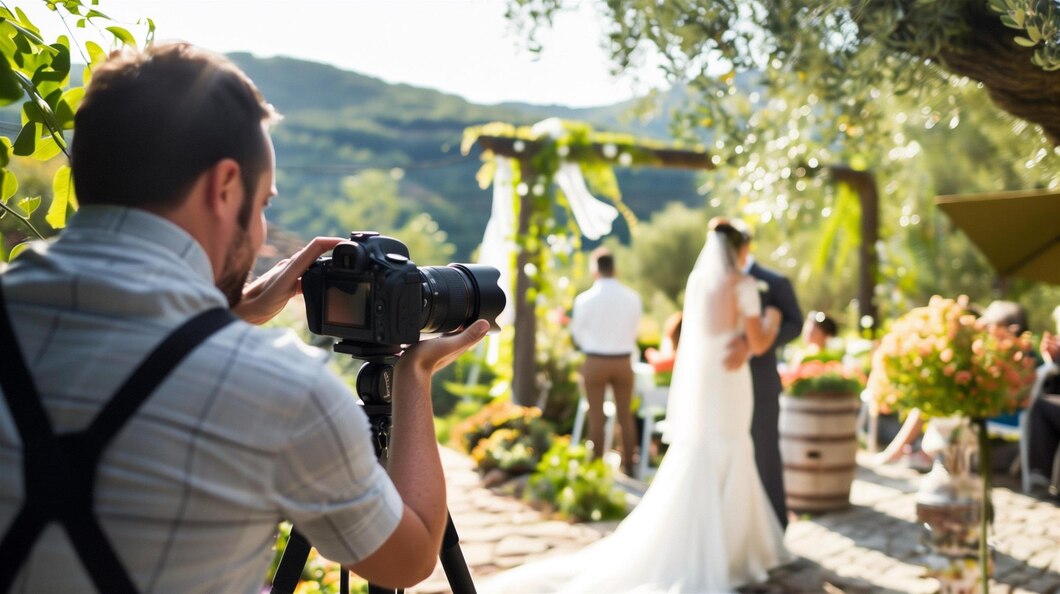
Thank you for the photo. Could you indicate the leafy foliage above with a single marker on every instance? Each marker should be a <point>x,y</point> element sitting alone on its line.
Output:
<point>40,72</point>
<point>577,487</point>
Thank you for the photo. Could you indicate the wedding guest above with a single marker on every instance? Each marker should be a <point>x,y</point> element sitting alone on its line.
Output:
<point>1044,413</point>
<point>604,326</point>
<point>818,329</point>
<point>662,359</point>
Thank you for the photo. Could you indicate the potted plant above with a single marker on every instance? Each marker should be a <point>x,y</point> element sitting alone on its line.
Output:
<point>944,361</point>
<point>818,441</point>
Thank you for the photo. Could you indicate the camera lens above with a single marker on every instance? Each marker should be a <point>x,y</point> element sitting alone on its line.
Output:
<point>457,295</point>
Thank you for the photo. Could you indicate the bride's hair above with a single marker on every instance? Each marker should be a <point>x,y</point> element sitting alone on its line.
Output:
<point>734,238</point>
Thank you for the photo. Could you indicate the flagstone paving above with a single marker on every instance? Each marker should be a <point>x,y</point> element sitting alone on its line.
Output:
<point>873,546</point>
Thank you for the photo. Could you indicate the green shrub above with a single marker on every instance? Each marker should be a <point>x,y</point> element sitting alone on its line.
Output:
<point>577,487</point>
<point>515,451</point>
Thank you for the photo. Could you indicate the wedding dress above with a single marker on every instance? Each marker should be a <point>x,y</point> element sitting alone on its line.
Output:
<point>705,524</point>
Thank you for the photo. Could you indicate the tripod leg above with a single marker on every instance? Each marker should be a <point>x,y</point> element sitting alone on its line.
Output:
<point>453,562</point>
<point>291,564</point>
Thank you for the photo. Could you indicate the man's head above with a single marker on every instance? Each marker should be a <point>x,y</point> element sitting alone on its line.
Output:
<point>737,238</point>
<point>1009,314</point>
<point>602,263</point>
<point>173,125</point>
<point>818,328</point>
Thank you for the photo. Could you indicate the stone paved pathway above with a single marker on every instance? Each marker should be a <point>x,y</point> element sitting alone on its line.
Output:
<point>870,547</point>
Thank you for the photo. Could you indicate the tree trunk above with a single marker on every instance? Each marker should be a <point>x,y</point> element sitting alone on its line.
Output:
<point>989,55</point>
<point>864,184</point>
<point>524,344</point>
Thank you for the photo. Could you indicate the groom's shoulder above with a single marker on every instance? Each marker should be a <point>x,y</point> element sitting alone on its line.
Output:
<point>766,274</point>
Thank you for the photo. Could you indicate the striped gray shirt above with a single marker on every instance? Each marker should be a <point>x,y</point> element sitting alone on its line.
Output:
<point>252,428</point>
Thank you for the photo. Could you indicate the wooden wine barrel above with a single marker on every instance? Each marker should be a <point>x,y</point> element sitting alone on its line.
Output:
<point>818,444</point>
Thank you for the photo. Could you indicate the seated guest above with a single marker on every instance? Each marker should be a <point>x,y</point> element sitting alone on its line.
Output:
<point>662,359</point>
<point>818,329</point>
<point>1044,413</point>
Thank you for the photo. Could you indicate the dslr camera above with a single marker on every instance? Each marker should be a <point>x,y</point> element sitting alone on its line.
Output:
<point>372,296</point>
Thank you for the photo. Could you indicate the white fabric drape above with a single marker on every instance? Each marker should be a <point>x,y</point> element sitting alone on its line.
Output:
<point>498,242</point>
<point>594,217</point>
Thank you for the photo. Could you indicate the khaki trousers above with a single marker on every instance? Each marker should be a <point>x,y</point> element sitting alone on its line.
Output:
<point>598,373</point>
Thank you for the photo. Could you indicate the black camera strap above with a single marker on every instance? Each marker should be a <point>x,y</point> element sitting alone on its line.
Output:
<point>59,471</point>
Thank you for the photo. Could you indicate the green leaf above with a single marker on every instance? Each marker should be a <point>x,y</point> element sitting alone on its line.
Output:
<point>47,148</point>
<point>18,249</point>
<point>1034,33</point>
<point>5,151</point>
<point>67,108</point>
<point>29,204</point>
<point>26,142</point>
<point>1024,41</point>
<point>10,88</point>
<point>27,35</point>
<point>8,185</point>
<point>63,197</point>
<point>122,35</point>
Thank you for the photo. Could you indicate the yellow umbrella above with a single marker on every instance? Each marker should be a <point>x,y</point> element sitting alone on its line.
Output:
<point>1018,232</point>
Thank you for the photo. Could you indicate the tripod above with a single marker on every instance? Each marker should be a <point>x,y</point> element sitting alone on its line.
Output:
<point>374,382</point>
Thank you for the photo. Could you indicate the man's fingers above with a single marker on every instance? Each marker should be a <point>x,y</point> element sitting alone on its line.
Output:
<point>313,250</point>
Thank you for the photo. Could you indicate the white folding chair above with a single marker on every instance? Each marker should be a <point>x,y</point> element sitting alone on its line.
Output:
<point>653,403</point>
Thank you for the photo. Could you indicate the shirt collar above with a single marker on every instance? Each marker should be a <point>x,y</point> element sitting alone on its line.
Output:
<point>749,264</point>
<point>152,231</point>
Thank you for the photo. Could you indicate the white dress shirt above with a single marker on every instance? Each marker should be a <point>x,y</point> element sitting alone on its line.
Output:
<point>605,318</point>
<point>250,429</point>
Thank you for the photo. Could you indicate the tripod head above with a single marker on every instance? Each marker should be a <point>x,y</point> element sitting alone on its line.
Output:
<point>375,385</point>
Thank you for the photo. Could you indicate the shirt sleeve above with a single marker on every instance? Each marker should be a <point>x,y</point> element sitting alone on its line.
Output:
<point>329,483</point>
<point>747,297</point>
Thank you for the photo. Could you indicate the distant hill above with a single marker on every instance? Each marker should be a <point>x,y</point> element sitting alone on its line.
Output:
<point>337,123</point>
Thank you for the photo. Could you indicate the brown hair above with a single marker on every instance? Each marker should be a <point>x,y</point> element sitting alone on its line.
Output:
<point>151,122</point>
<point>735,237</point>
<point>603,262</point>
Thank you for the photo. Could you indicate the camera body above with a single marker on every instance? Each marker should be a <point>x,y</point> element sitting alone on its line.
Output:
<point>372,296</point>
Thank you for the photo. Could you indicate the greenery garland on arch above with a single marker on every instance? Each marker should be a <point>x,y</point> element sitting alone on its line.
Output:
<point>536,158</point>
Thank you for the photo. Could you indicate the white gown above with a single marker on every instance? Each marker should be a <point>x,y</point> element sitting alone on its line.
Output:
<point>705,524</point>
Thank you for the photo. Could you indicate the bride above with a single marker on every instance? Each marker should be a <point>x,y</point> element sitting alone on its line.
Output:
<point>705,523</point>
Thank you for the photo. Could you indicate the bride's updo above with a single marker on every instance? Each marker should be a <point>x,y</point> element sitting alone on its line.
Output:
<point>735,238</point>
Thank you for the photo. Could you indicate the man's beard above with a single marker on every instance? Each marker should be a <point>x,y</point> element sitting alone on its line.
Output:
<point>239,259</point>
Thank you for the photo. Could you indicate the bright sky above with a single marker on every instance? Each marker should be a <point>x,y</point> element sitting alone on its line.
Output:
<point>465,47</point>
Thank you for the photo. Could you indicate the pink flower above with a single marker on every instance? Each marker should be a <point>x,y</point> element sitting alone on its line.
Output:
<point>963,377</point>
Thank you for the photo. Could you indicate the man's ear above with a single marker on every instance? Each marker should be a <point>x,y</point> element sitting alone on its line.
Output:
<point>224,187</point>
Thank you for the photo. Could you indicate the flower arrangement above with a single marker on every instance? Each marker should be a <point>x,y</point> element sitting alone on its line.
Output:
<point>944,361</point>
<point>823,378</point>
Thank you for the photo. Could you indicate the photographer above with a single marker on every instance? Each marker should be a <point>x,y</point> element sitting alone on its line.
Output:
<point>174,167</point>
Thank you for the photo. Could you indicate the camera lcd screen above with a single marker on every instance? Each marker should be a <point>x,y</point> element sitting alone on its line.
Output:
<point>346,303</point>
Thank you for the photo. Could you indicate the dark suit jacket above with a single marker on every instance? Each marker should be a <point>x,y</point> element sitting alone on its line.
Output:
<point>766,380</point>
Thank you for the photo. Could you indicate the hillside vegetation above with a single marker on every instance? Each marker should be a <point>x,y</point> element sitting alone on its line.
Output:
<point>339,124</point>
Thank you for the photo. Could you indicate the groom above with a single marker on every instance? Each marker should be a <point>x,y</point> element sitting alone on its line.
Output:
<point>774,290</point>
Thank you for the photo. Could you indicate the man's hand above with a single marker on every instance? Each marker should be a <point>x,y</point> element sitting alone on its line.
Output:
<point>738,353</point>
<point>270,292</point>
<point>1050,348</point>
<point>431,355</point>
